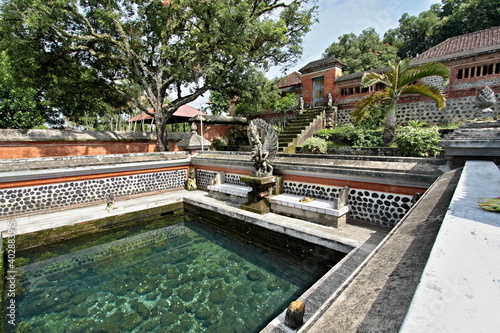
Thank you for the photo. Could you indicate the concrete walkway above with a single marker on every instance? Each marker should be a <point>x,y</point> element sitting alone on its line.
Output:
<point>460,286</point>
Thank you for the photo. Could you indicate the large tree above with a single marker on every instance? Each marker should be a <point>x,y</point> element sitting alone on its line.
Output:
<point>415,33</point>
<point>254,94</point>
<point>402,79</point>
<point>363,52</point>
<point>175,48</point>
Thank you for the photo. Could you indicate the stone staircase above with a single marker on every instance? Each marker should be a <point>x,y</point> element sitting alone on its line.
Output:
<point>475,140</point>
<point>300,129</point>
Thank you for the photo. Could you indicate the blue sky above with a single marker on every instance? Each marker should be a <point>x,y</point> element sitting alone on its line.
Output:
<point>338,17</point>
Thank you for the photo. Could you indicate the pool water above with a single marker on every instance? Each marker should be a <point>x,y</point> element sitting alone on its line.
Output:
<point>183,277</point>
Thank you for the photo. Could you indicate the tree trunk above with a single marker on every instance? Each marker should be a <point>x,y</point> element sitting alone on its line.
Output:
<point>390,125</point>
<point>161,132</point>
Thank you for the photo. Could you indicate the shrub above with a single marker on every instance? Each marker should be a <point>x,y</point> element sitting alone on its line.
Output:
<point>418,141</point>
<point>326,133</point>
<point>218,144</point>
<point>352,136</point>
<point>314,146</point>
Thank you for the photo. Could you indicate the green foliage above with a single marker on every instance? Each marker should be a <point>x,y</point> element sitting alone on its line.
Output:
<point>121,48</point>
<point>418,141</point>
<point>375,117</point>
<point>314,146</point>
<point>19,111</point>
<point>326,133</point>
<point>357,136</point>
<point>218,144</point>
<point>363,52</point>
<point>416,123</point>
<point>352,136</point>
<point>415,33</point>
<point>254,94</point>
<point>233,138</point>
<point>219,103</point>
<point>399,81</point>
<point>283,104</point>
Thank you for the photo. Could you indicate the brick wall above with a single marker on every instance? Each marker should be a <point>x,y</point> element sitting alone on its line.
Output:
<point>50,143</point>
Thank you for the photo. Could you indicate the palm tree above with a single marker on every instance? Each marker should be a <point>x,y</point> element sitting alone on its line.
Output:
<point>401,80</point>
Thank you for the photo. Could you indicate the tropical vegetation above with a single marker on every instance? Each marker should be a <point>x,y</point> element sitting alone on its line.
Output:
<point>99,55</point>
<point>402,79</point>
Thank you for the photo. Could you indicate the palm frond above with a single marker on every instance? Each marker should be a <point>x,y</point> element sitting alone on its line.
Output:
<point>362,108</point>
<point>369,79</point>
<point>426,90</point>
<point>425,70</point>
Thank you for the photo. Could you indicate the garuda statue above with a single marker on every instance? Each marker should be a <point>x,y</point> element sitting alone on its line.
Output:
<point>264,141</point>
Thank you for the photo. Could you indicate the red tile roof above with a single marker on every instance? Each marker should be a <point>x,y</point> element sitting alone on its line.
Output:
<point>185,110</point>
<point>291,80</point>
<point>463,43</point>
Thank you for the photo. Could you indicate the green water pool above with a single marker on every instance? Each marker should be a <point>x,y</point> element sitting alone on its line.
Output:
<point>185,276</point>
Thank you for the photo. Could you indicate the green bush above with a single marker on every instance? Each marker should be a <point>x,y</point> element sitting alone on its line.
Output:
<point>314,146</point>
<point>418,141</point>
<point>218,144</point>
<point>353,136</point>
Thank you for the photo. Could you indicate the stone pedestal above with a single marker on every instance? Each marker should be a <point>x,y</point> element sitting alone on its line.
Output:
<point>261,188</point>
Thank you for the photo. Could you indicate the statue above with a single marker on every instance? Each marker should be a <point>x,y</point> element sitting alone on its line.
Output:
<point>191,181</point>
<point>485,99</point>
<point>264,141</point>
<point>301,104</point>
<point>330,101</point>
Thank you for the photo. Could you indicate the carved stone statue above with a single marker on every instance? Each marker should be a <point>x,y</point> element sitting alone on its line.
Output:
<point>191,181</point>
<point>264,141</point>
<point>330,100</point>
<point>301,104</point>
<point>485,99</point>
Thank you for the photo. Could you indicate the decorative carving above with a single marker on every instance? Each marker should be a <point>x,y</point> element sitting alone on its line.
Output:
<point>330,101</point>
<point>191,181</point>
<point>485,99</point>
<point>264,141</point>
<point>301,104</point>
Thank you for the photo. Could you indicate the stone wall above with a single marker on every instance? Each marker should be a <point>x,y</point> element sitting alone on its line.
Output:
<point>35,143</point>
<point>381,188</point>
<point>457,109</point>
<point>376,194</point>
<point>35,191</point>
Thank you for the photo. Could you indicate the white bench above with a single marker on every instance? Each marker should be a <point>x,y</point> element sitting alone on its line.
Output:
<point>329,213</point>
<point>224,191</point>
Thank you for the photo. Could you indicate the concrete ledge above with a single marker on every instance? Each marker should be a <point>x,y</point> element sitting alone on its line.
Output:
<point>237,190</point>
<point>317,211</point>
<point>459,290</point>
<point>317,205</point>
<point>228,192</point>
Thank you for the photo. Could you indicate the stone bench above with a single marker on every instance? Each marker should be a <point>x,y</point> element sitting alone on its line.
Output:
<point>325,212</point>
<point>224,191</point>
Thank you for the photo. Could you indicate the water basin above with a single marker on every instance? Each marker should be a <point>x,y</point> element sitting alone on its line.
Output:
<point>174,274</point>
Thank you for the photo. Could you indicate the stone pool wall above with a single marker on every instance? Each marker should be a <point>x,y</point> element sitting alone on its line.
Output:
<point>34,191</point>
<point>382,190</point>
